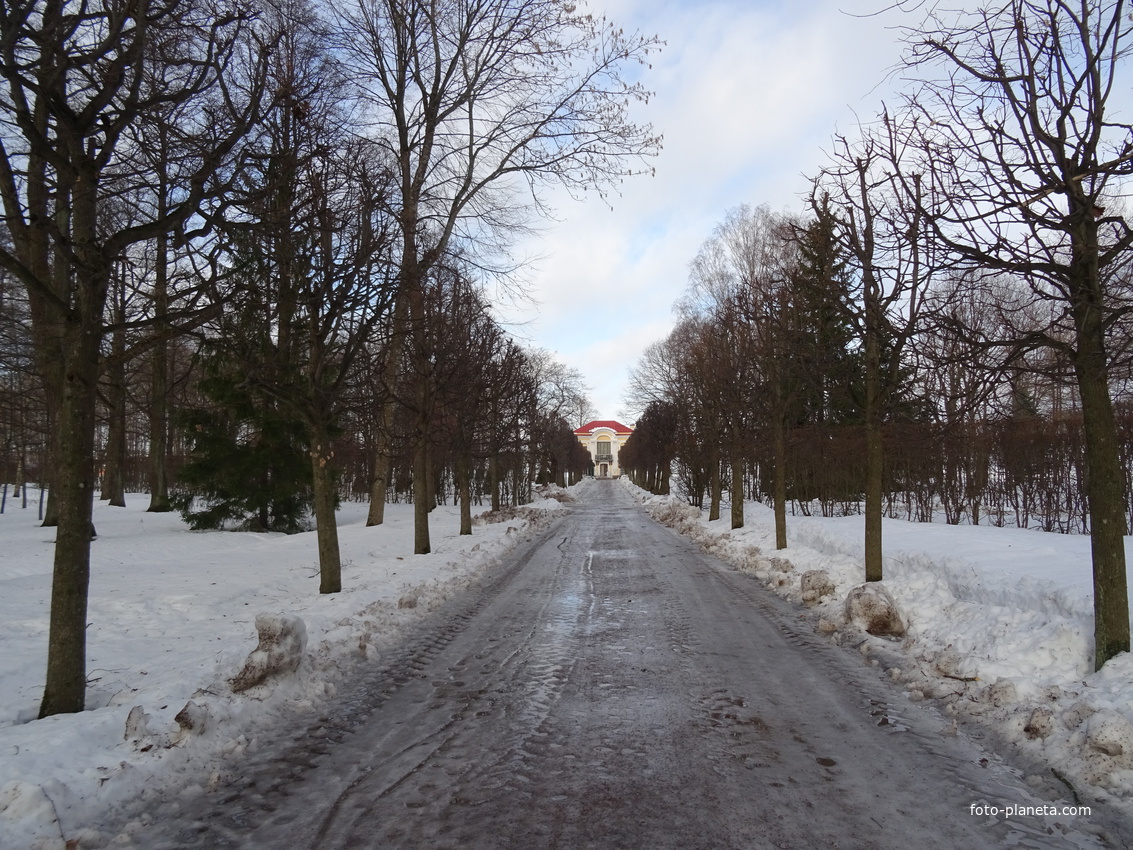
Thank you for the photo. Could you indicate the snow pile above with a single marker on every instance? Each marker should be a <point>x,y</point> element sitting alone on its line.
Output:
<point>815,584</point>
<point>998,627</point>
<point>174,615</point>
<point>870,608</point>
<point>283,638</point>
<point>553,491</point>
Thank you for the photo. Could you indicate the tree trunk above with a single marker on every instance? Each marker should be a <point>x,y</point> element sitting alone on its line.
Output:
<point>51,474</point>
<point>436,485</point>
<point>494,479</point>
<point>383,436</point>
<point>979,462</point>
<point>528,482</point>
<point>1105,481</point>
<point>159,380</point>
<point>48,324</point>
<point>326,524</point>
<point>737,487</point>
<point>159,435</point>
<point>21,472</point>
<point>114,466</point>
<point>421,544</point>
<point>114,476</point>
<point>779,479</point>
<point>715,486</point>
<point>1105,496</point>
<point>379,482</point>
<point>73,496</point>
<point>422,472</point>
<point>874,482</point>
<point>413,281</point>
<point>74,483</point>
<point>464,492</point>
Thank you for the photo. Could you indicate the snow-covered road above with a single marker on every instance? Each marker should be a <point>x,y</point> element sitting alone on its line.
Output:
<point>613,687</point>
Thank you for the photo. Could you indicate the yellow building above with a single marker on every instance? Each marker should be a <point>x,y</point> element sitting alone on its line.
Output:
<point>602,438</point>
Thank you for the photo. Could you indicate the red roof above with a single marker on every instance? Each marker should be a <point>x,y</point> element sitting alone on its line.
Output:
<point>616,427</point>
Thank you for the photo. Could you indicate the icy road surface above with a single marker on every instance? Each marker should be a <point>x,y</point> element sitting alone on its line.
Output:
<point>613,687</point>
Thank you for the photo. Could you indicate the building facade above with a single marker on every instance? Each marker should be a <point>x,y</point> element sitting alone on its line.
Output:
<point>602,438</point>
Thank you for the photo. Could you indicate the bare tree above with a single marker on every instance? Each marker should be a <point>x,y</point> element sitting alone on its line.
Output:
<point>316,237</point>
<point>1022,157</point>
<point>879,220</point>
<point>508,383</point>
<point>745,272</point>
<point>653,378</point>
<point>477,103</point>
<point>965,382</point>
<point>74,94</point>
<point>560,390</point>
<point>678,373</point>
<point>469,341</point>
<point>703,388</point>
<point>23,417</point>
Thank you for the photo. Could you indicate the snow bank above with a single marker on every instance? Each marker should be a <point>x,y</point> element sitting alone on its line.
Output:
<point>999,626</point>
<point>174,615</point>
<point>283,639</point>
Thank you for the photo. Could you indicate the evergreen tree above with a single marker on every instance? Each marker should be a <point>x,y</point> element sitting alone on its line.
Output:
<point>827,353</point>
<point>250,466</point>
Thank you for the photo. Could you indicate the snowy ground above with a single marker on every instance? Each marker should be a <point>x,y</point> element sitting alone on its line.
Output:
<point>1000,628</point>
<point>172,617</point>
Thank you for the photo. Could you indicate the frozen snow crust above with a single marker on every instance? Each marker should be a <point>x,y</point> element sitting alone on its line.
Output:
<point>999,628</point>
<point>173,629</point>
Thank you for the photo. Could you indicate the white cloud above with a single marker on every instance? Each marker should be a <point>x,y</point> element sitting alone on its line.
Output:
<point>607,361</point>
<point>747,96</point>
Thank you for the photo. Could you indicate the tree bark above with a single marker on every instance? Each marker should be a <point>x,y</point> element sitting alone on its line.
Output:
<point>387,413</point>
<point>422,490</point>
<point>114,463</point>
<point>326,524</point>
<point>494,480</point>
<point>159,432</point>
<point>65,687</point>
<point>114,475</point>
<point>421,545</point>
<point>464,493</point>
<point>48,327</point>
<point>737,487</point>
<point>159,375</point>
<point>779,479</point>
<point>383,464</point>
<point>1105,481</point>
<point>715,486</point>
<point>874,480</point>
<point>21,489</point>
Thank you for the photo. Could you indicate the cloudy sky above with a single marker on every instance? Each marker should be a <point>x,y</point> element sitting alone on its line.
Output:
<point>747,94</point>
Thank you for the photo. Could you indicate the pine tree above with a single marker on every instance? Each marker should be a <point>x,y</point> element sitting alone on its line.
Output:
<point>250,466</point>
<point>827,352</point>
